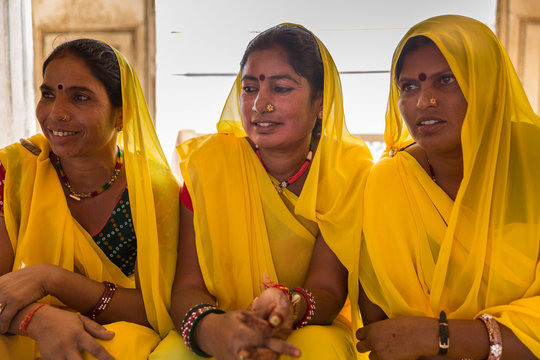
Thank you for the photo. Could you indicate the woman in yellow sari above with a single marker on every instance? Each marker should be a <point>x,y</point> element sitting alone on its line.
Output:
<point>68,249</point>
<point>268,198</point>
<point>452,236</point>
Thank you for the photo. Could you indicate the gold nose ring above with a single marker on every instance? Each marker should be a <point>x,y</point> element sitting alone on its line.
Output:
<point>433,101</point>
<point>270,107</point>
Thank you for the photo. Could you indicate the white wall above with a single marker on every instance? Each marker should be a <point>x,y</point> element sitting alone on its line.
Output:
<point>16,67</point>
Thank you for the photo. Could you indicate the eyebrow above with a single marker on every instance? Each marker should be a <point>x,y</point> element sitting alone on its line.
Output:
<point>72,88</point>
<point>273,77</point>
<point>445,70</point>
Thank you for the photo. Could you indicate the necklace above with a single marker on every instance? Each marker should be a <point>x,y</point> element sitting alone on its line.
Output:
<point>280,186</point>
<point>78,196</point>
<point>431,172</point>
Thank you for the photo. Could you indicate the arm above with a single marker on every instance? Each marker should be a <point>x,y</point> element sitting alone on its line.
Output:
<point>370,312</point>
<point>414,337</point>
<point>327,281</point>
<point>222,335</point>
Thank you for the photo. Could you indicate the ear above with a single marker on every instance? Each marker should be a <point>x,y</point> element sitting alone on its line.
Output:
<point>118,119</point>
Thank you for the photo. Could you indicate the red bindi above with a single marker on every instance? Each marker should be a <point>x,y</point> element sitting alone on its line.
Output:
<point>422,77</point>
<point>262,77</point>
<point>60,86</point>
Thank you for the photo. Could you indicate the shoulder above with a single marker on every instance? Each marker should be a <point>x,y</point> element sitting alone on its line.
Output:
<point>213,144</point>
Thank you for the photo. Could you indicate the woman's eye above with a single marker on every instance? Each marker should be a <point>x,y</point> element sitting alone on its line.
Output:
<point>46,95</point>
<point>282,90</point>
<point>80,97</point>
<point>447,79</point>
<point>249,89</point>
<point>407,87</point>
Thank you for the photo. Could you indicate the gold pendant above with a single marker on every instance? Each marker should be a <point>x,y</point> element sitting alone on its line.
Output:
<point>74,197</point>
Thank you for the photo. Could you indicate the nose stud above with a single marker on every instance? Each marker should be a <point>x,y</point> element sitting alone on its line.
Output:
<point>433,101</point>
<point>270,107</point>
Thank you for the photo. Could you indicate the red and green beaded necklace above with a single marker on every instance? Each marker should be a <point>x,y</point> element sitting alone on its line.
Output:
<point>79,196</point>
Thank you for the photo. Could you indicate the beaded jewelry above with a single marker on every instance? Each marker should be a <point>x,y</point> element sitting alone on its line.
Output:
<point>495,338</point>
<point>280,186</point>
<point>78,196</point>
<point>192,318</point>
<point>108,293</point>
<point>310,307</point>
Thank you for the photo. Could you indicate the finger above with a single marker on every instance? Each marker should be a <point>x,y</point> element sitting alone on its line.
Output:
<point>90,344</point>
<point>263,354</point>
<point>361,333</point>
<point>6,316</point>
<point>96,329</point>
<point>363,346</point>
<point>255,323</point>
<point>282,347</point>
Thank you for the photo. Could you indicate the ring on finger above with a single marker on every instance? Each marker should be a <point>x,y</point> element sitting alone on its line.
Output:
<point>243,354</point>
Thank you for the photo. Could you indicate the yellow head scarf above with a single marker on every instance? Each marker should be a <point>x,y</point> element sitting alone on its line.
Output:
<point>153,194</point>
<point>488,258</point>
<point>332,193</point>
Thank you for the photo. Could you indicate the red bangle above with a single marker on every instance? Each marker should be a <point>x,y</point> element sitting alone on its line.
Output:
<point>102,303</point>
<point>310,307</point>
<point>26,321</point>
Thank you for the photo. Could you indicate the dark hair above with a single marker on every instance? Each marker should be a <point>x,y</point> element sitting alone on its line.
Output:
<point>100,59</point>
<point>301,48</point>
<point>412,44</point>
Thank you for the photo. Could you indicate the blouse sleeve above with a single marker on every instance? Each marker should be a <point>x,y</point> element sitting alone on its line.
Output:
<point>185,198</point>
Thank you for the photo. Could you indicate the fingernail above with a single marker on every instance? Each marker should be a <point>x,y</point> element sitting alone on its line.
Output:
<point>296,353</point>
<point>274,320</point>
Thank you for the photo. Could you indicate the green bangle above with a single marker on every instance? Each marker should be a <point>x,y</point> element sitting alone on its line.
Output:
<point>196,349</point>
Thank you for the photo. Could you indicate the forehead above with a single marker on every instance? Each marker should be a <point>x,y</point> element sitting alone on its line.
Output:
<point>426,59</point>
<point>70,70</point>
<point>268,61</point>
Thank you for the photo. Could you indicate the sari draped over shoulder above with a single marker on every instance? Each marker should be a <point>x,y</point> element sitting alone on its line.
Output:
<point>42,230</point>
<point>245,230</point>
<point>423,252</point>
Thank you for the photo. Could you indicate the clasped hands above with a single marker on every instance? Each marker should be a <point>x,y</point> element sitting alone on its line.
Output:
<point>259,333</point>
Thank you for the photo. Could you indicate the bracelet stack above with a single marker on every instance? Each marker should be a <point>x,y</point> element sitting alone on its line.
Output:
<point>192,318</point>
<point>310,307</point>
<point>444,335</point>
<point>26,321</point>
<point>102,303</point>
<point>495,338</point>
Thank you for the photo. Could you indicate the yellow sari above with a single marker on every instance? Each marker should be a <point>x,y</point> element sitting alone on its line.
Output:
<point>34,205</point>
<point>245,230</point>
<point>423,252</point>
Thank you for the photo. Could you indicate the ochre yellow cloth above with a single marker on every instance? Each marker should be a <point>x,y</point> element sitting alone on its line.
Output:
<point>246,230</point>
<point>42,230</point>
<point>423,252</point>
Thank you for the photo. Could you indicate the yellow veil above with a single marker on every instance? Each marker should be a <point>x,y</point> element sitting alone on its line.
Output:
<point>332,193</point>
<point>154,198</point>
<point>489,257</point>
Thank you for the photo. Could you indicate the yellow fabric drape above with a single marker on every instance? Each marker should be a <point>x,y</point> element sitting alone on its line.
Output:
<point>424,253</point>
<point>42,230</point>
<point>244,229</point>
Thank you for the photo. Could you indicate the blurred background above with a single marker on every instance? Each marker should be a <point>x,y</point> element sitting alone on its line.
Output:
<point>187,53</point>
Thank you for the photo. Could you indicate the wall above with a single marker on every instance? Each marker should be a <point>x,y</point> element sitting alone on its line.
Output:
<point>518,27</point>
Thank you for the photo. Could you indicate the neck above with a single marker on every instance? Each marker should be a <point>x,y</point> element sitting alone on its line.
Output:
<point>87,173</point>
<point>448,170</point>
<point>283,163</point>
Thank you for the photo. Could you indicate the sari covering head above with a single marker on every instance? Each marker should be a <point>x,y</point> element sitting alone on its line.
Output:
<point>479,253</point>
<point>244,229</point>
<point>42,230</point>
